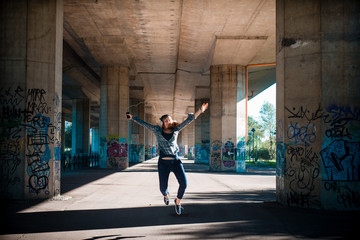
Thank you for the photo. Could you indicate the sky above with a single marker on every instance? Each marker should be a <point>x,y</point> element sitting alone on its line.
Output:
<point>255,104</point>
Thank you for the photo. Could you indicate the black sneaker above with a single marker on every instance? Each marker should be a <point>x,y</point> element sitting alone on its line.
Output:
<point>167,200</point>
<point>178,208</point>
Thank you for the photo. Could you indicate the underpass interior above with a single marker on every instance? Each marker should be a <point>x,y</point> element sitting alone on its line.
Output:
<point>90,61</point>
<point>168,49</point>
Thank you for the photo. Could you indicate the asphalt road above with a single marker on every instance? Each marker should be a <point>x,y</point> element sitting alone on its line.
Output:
<point>110,204</point>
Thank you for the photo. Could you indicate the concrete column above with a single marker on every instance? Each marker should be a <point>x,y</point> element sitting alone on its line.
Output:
<point>137,144</point>
<point>202,134</point>
<point>62,132</point>
<point>191,137</point>
<point>114,126</point>
<point>154,142</point>
<point>185,141</point>
<point>95,141</point>
<point>30,98</point>
<point>80,144</point>
<point>227,117</point>
<point>148,138</point>
<point>318,104</point>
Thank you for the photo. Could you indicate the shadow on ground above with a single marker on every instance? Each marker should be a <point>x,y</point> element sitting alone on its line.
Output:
<point>232,217</point>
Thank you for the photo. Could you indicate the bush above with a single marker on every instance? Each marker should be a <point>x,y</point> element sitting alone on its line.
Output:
<point>263,153</point>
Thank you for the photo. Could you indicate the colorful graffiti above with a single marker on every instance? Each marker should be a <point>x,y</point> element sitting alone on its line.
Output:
<point>38,153</point>
<point>341,160</point>
<point>305,134</point>
<point>224,156</point>
<point>202,153</point>
<point>114,152</point>
<point>215,155</point>
<point>331,166</point>
<point>228,151</point>
<point>117,149</point>
<point>137,152</point>
<point>28,132</point>
<point>12,141</point>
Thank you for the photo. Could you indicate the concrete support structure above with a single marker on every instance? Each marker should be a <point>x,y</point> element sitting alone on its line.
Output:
<point>202,134</point>
<point>190,135</point>
<point>227,118</point>
<point>318,104</point>
<point>148,138</point>
<point>95,141</point>
<point>80,127</point>
<point>62,132</point>
<point>30,98</point>
<point>114,126</point>
<point>137,133</point>
<point>184,142</point>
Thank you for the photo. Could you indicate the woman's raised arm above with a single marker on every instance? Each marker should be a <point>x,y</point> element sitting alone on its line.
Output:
<point>141,122</point>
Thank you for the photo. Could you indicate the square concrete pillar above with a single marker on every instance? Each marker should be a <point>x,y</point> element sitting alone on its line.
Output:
<point>137,133</point>
<point>80,144</point>
<point>114,126</point>
<point>227,118</point>
<point>190,135</point>
<point>30,98</point>
<point>148,138</point>
<point>95,141</point>
<point>202,134</point>
<point>318,104</point>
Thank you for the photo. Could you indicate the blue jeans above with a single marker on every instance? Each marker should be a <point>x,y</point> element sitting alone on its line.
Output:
<point>164,169</point>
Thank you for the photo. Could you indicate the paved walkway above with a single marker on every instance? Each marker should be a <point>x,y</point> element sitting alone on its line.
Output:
<point>109,204</point>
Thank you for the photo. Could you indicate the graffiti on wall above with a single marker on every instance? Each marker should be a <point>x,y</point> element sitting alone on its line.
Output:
<point>12,138</point>
<point>38,153</point>
<point>223,156</point>
<point>117,148</point>
<point>136,152</point>
<point>202,152</point>
<point>303,169</point>
<point>148,150</point>
<point>25,121</point>
<point>228,151</point>
<point>215,155</point>
<point>341,160</point>
<point>340,155</point>
<point>336,162</point>
<point>40,134</point>
<point>114,152</point>
<point>301,165</point>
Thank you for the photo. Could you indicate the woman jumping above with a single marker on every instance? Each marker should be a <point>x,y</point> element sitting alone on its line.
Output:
<point>169,160</point>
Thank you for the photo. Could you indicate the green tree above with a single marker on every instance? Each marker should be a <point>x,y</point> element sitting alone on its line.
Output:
<point>252,123</point>
<point>68,134</point>
<point>259,133</point>
<point>268,122</point>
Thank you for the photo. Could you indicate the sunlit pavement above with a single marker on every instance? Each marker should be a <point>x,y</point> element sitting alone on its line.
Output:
<point>110,204</point>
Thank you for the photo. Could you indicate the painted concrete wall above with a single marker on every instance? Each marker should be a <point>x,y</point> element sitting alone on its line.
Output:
<point>137,132</point>
<point>227,117</point>
<point>318,104</point>
<point>30,98</point>
<point>80,127</point>
<point>202,134</point>
<point>114,126</point>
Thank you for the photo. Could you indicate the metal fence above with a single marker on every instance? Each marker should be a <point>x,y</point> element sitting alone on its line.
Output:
<point>70,163</point>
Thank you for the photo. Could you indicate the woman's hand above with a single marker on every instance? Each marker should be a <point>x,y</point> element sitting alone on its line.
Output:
<point>204,106</point>
<point>129,116</point>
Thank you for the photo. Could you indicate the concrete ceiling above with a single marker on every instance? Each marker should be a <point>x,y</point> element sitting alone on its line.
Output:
<point>168,45</point>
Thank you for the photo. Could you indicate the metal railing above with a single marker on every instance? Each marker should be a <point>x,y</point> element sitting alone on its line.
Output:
<point>79,161</point>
